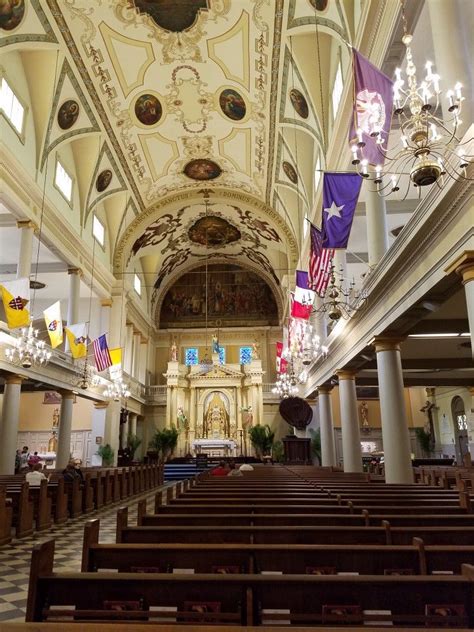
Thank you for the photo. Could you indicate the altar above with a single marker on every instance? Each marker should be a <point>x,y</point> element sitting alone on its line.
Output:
<point>226,447</point>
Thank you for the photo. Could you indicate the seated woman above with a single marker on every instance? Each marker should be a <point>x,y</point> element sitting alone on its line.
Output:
<point>221,470</point>
<point>233,471</point>
<point>35,477</point>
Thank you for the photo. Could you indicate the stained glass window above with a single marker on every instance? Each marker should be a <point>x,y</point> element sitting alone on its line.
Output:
<point>191,356</point>
<point>221,355</point>
<point>245,355</point>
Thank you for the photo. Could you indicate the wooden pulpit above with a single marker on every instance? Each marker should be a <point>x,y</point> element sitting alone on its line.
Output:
<point>297,451</point>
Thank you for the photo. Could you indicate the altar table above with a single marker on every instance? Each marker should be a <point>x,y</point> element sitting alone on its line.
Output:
<point>223,446</point>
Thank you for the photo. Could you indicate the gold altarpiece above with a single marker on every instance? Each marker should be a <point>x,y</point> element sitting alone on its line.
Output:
<point>219,402</point>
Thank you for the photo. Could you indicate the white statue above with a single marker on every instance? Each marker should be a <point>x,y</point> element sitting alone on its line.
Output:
<point>174,351</point>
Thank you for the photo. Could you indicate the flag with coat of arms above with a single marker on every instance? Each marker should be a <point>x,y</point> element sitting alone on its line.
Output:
<point>54,324</point>
<point>15,297</point>
<point>77,338</point>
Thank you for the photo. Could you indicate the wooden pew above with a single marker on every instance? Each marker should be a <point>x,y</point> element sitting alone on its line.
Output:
<point>23,510</point>
<point>6,517</point>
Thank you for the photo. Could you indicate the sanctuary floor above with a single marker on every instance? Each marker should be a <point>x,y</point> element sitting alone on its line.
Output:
<point>15,557</point>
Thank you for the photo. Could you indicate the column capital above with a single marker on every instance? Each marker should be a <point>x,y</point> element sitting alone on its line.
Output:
<point>106,302</point>
<point>27,223</point>
<point>65,394</point>
<point>346,374</point>
<point>324,390</point>
<point>77,271</point>
<point>386,343</point>
<point>99,405</point>
<point>13,378</point>
<point>463,265</point>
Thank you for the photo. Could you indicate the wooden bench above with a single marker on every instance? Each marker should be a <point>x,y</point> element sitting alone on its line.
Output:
<point>6,518</point>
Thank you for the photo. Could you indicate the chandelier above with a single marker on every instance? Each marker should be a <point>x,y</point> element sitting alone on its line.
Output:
<point>341,300</point>
<point>428,149</point>
<point>117,389</point>
<point>28,350</point>
<point>86,375</point>
<point>286,385</point>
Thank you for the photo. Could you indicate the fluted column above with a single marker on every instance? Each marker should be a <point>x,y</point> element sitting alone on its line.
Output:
<point>27,229</point>
<point>128,360</point>
<point>9,423</point>
<point>65,427</point>
<point>74,297</point>
<point>137,341</point>
<point>112,428</point>
<point>376,220</point>
<point>143,360</point>
<point>464,267</point>
<point>328,450</point>
<point>351,450</point>
<point>395,435</point>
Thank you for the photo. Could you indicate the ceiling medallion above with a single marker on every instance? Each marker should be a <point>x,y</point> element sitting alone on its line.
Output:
<point>232,104</point>
<point>213,231</point>
<point>299,103</point>
<point>11,14</point>
<point>148,109</point>
<point>319,5</point>
<point>103,180</point>
<point>68,113</point>
<point>202,169</point>
<point>290,172</point>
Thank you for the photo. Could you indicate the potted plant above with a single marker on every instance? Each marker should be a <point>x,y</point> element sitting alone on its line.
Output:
<point>106,453</point>
<point>133,442</point>
<point>316,443</point>
<point>262,439</point>
<point>164,442</point>
<point>425,441</point>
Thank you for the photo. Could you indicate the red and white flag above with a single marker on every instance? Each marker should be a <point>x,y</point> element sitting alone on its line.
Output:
<point>319,263</point>
<point>298,310</point>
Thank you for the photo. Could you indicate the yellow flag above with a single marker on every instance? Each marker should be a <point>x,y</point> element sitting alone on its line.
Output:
<point>77,338</point>
<point>54,325</point>
<point>116,355</point>
<point>115,371</point>
<point>16,296</point>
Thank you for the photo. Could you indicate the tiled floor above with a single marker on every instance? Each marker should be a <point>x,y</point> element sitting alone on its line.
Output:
<point>15,557</point>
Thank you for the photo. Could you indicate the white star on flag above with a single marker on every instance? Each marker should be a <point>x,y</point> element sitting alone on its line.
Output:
<point>333,210</point>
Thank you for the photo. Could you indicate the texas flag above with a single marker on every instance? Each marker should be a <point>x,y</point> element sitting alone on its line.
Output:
<point>340,196</point>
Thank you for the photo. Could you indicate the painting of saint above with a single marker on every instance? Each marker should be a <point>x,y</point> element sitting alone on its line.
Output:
<point>148,109</point>
<point>68,113</point>
<point>11,13</point>
<point>213,231</point>
<point>319,5</point>
<point>164,13</point>
<point>299,103</point>
<point>103,180</point>
<point>202,169</point>
<point>232,104</point>
<point>290,172</point>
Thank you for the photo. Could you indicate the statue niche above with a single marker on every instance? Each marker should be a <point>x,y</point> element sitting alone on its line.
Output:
<point>216,418</point>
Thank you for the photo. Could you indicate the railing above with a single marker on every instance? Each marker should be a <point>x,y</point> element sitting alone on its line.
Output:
<point>155,394</point>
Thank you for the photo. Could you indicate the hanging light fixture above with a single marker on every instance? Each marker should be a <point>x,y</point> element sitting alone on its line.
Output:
<point>428,149</point>
<point>28,350</point>
<point>341,299</point>
<point>117,389</point>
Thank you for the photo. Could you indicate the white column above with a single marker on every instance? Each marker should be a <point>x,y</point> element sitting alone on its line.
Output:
<point>112,428</point>
<point>192,410</point>
<point>9,423</point>
<point>452,55</point>
<point>168,406</point>
<point>143,360</point>
<point>97,431</point>
<point>464,267</point>
<point>395,435</point>
<point>117,320</point>
<point>137,343</point>
<point>376,219</point>
<point>74,296</point>
<point>124,428</point>
<point>351,449</point>
<point>328,450</point>
<point>128,360</point>
<point>105,319</point>
<point>27,229</point>
<point>132,422</point>
<point>65,427</point>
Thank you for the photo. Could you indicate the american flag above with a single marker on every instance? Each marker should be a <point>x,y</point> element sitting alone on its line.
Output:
<point>319,263</point>
<point>101,353</point>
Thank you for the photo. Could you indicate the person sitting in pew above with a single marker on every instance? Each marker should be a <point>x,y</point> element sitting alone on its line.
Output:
<point>233,471</point>
<point>221,470</point>
<point>246,467</point>
<point>35,477</point>
<point>73,472</point>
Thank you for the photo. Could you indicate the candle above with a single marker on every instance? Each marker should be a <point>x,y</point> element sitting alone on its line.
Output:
<point>378,171</point>
<point>394,182</point>
<point>435,80</point>
<point>404,141</point>
<point>364,167</point>
<point>434,132</point>
<point>359,135</point>
<point>458,88</point>
<point>449,95</point>
<point>355,159</point>
<point>398,74</point>
<point>428,66</point>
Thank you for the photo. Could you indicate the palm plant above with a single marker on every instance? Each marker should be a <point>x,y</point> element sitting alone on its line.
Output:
<point>262,439</point>
<point>106,453</point>
<point>425,441</point>
<point>133,442</point>
<point>316,443</point>
<point>164,442</point>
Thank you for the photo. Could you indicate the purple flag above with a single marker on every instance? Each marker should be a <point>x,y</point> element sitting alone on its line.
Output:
<point>373,104</point>
<point>340,195</point>
<point>302,279</point>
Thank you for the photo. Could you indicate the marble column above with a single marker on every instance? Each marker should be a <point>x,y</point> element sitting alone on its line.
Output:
<point>351,449</point>
<point>132,422</point>
<point>168,406</point>
<point>192,414</point>
<point>376,219</point>
<point>451,55</point>
<point>117,320</point>
<point>431,397</point>
<point>470,423</point>
<point>97,431</point>
<point>27,229</point>
<point>128,352</point>
<point>112,428</point>
<point>328,449</point>
<point>124,430</point>
<point>74,297</point>
<point>65,427</point>
<point>395,435</point>
<point>9,423</point>
<point>137,342</point>
<point>143,356</point>
<point>464,267</point>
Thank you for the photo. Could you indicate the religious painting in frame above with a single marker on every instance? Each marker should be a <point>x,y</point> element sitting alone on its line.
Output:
<point>202,169</point>
<point>103,180</point>
<point>148,109</point>
<point>11,13</point>
<point>164,13</point>
<point>299,103</point>
<point>232,104</point>
<point>68,114</point>
<point>290,172</point>
<point>54,398</point>
<point>213,231</point>
<point>367,392</point>
<point>319,5</point>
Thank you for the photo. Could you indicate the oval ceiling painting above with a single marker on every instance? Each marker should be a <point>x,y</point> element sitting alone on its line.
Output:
<point>213,231</point>
<point>232,104</point>
<point>165,14</point>
<point>68,113</point>
<point>202,169</point>
<point>290,172</point>
<point>148,109</point>
<point>103,180</point>
<point>11,13</point>
<point>299,103</point>
<point>319,5</point>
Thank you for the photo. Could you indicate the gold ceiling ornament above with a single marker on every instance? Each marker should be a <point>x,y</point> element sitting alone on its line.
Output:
<point>429,150</point>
